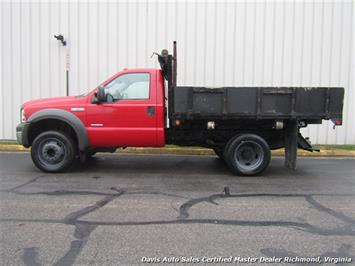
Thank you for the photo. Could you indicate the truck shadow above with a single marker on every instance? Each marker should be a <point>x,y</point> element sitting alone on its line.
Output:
<point>147,163</point>
<point>174,165</point>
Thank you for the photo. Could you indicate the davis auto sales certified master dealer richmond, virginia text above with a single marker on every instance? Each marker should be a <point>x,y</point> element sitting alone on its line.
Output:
<point>238,259</point>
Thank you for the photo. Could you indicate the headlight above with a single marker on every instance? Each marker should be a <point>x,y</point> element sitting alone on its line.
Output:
<point>22,116</point>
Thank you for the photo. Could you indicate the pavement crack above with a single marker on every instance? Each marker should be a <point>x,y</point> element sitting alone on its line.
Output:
<point>184,208</point>
<point>305,227</point>
<point>74,216</point>
<point>334,213</point>
<point>65,193</point>
<point>156,193</point>
<point>81,233</point>
<point>22,185</point>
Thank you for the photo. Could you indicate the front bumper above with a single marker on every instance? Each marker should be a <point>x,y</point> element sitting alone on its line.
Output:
<point>22,134</point>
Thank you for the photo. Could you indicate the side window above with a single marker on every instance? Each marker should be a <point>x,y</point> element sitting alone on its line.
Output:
<point>130,86</point>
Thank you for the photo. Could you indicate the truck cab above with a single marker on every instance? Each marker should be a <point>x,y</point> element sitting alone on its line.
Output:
<point>130,113</point>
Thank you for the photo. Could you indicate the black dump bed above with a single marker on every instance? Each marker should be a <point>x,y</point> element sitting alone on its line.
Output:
<point>258,102</point>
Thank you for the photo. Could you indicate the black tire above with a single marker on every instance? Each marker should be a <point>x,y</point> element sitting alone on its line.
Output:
<point>247,155</point>
<point>53,151</point>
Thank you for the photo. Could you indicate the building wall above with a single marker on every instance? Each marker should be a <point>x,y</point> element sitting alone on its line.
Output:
<point>279,43</point>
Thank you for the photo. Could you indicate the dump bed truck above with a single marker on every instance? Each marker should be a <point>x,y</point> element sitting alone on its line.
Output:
<point>146,108</point>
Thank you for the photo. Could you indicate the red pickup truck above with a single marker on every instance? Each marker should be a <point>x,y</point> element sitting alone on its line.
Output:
<point>145,108</point>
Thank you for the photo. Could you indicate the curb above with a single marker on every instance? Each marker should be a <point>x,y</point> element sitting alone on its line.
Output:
<point>197,151</point>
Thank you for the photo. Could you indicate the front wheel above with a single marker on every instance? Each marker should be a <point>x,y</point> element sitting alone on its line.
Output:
<point>247,154</point>
<point>53,151</point>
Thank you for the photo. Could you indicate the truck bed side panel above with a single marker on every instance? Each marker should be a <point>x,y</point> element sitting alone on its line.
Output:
<point>258,102</point>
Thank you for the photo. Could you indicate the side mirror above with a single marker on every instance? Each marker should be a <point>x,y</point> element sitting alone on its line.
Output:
<point>100,95</point>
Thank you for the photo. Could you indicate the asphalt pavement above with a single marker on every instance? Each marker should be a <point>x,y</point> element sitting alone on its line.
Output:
<point>176,209</point>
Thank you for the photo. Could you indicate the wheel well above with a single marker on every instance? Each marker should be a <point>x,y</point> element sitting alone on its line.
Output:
<point>50,124</point>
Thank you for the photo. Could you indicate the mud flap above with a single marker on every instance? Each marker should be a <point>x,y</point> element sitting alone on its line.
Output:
<point>304,144</point>
<point>291,144</point>
<point>82,156</point>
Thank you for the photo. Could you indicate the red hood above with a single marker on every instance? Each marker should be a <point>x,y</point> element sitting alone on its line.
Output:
<point>53,101</point>
<point>64,103</point>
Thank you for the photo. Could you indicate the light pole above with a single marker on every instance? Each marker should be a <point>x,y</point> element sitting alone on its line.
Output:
<point>60,38</point>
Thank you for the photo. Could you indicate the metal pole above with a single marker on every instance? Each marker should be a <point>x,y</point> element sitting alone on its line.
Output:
<point>174,66</point>
<point>67,82</point>
<point>67,68</point>
<point>60,38</point>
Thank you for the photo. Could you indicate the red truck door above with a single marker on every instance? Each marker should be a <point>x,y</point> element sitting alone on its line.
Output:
<point>128,118</point>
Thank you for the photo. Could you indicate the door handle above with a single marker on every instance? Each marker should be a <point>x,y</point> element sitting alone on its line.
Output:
<point>151,110</point>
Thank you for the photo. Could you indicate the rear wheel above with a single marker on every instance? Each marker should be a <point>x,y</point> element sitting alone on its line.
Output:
<point>247,154</point>
<point>53,151</point>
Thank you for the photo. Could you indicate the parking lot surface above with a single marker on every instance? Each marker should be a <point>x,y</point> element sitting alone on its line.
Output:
<point>134,209</point>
